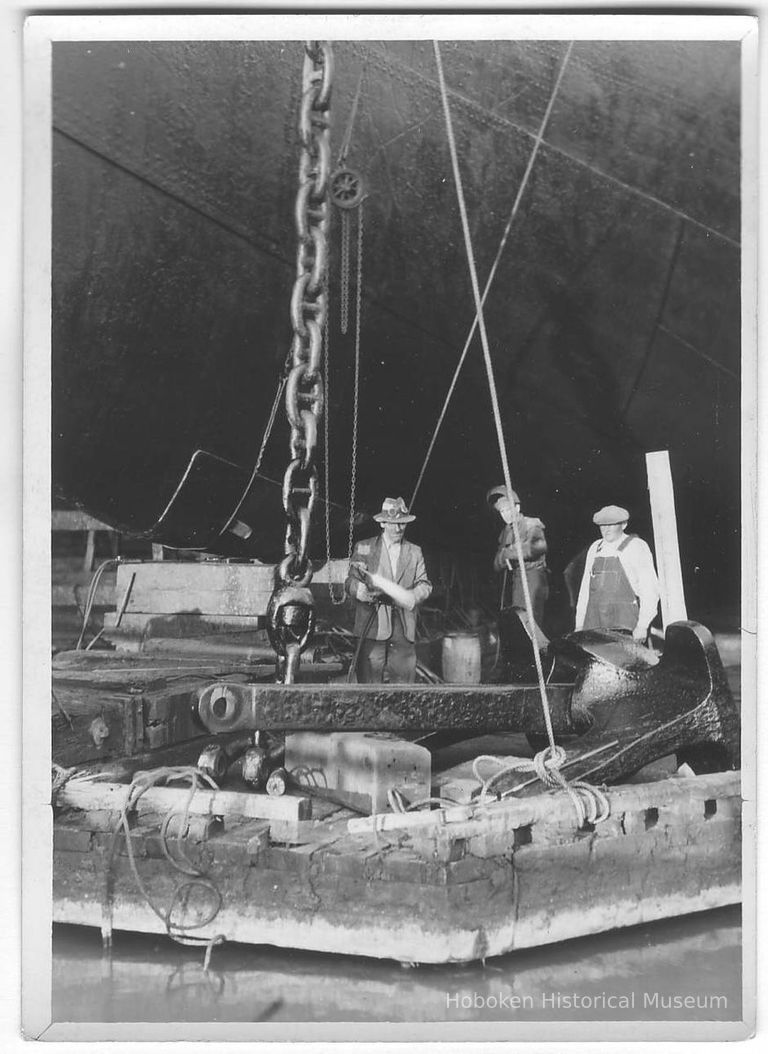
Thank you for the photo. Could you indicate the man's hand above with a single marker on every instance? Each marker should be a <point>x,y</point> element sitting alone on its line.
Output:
<point>640,633</point>
<point>366,595</point>
<point>364,592</point>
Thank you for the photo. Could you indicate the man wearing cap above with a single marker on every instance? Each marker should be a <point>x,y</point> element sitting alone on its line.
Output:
<point>387,580</point>
<point>534,544</point>
<point>619,589</point>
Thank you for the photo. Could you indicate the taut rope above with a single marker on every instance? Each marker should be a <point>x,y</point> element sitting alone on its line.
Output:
<point>549,761</point>
<point>494,267</point>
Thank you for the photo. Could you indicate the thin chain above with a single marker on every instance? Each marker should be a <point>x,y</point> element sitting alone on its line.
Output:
<point>327,429</point>
<point>304,386</point>
<point>356,398</point>
<point>344,276</point>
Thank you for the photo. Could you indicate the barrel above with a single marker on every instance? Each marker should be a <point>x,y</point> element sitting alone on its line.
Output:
<point>462,658</point>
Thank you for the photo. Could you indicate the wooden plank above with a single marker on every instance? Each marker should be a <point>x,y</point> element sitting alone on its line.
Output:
<point>91,725</point>
<point>90,549</point>
<point>80,794</point>
<point>662,497</point>
<point>76,520</point>
<point>95,721</point>
<point>409,820</point>
<point>205,588</point>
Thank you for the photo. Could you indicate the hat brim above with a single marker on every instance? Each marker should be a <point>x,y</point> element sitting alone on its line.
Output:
<point>382,517</point>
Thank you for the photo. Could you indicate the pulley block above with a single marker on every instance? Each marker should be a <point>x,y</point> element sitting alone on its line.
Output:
<point>346,188</point>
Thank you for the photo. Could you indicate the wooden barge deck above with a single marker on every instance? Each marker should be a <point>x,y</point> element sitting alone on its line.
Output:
<point>457,884</point>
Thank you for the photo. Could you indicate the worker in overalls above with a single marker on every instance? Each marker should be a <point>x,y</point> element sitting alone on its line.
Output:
<point>619,588</point>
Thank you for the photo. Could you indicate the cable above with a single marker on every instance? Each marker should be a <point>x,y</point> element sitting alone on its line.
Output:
<point>91,597</point>
<point>493,391</point>
<point>140,784</point>
<point>547,763</point>
<point>494,267</point>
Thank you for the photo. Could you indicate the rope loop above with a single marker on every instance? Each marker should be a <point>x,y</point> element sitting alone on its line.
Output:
<point>590,804</point>
<point>142,781</point>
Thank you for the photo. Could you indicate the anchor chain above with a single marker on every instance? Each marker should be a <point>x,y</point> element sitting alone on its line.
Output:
<point>290,615</point>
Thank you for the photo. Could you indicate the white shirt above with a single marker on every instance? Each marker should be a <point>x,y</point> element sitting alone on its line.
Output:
<point>637,561</point>
<point>393,552</point>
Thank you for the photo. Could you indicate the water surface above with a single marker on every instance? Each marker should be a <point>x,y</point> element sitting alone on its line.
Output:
<point>643,973</point>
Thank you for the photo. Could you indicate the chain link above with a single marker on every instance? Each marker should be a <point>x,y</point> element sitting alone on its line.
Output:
<point>309,306</point>
<point>344,276</point>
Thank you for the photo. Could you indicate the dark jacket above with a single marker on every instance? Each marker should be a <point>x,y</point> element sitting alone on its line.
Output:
<point>411,574</point>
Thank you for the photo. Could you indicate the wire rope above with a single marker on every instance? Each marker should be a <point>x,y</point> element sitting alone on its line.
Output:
<point>494,267</point>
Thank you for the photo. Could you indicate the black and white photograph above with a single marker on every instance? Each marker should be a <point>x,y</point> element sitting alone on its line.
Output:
<point>390,527</point>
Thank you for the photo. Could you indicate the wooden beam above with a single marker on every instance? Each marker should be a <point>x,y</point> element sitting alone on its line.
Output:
<point>90,795</point>
<point>662,497</point>
<point>75,520</point>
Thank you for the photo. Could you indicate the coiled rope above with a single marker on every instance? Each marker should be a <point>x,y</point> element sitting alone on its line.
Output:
<point>590,803</point>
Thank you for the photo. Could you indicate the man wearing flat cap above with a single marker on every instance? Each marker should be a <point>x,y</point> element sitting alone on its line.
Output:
<point>387,581</point>
<point>619,589</point>
<point>534,545</point>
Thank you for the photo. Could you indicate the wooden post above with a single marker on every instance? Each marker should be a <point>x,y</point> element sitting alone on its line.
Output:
<point>90,550</point>
<point>662,497</point>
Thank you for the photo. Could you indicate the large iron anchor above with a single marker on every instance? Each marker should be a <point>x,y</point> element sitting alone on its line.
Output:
<point>622,708</point>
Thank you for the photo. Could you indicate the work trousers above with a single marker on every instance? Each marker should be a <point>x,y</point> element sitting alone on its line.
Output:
<point>538,588</point>
<point>392,660</point>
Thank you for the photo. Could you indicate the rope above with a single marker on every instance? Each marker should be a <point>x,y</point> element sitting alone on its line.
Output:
<point>492,387</point>
<point>553,757</point>
<point>265,438</point>
<point>141,783</point>
<point>492,274</point>
<point>352,672</point>
<point>590,804</point>
<point>350,123</point>
<point>270,424</point>
<point>62,709</point>
<point>90,599</point>
<point>60,776</point>
<point>398,803</point>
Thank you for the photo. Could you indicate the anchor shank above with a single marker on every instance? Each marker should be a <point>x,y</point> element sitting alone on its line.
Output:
<point>228,706</point>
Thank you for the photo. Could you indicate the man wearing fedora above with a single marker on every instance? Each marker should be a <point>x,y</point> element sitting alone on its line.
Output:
<point>619,588</point>
<point>387,581</point>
